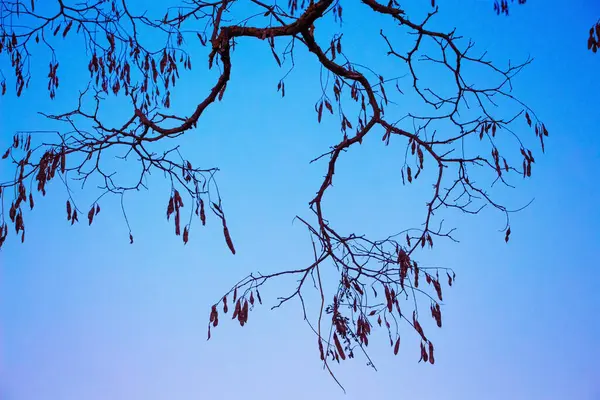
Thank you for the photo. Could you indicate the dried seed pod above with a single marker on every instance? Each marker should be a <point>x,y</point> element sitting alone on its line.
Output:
<point>424,355</point>
<point>243,314</point>
<point>177,223</point>
<point>236,310</point>
<point>431,359</point>
<point>438,288</point>
<point>228,237</point>
<point>321,350</point>
<point>213,313</point>
<point>357,288</point>
<point>202,214</point>
<point>91,215</point>
<point>338,346</point>
<point>418,327</point>
<point>320,112</point>
<point>388,297</point>
<point>63,162</point>
<point>170,207</point>
<point>245,310</point>
<point>416,273</point>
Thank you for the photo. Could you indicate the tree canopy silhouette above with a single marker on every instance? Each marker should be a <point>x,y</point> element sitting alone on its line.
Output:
<point>453,134</point>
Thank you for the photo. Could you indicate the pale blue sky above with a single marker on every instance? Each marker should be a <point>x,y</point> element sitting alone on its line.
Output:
<point>85,315</point>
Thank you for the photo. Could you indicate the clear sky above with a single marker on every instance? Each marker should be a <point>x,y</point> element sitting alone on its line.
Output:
<point>86,315</point>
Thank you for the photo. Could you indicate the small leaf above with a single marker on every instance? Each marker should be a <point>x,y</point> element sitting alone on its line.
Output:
<point>237,309</point>
<point>91,215</point>
<point>68,28</point>
<point>424,355</point>
<point>321,350</point>
<point>202,214</point>
<point>228,237</point>
<point>186,233</point>
<point>339,347</point>
<point>63,162</point>
<point>431,359</point>
<point>320,112</point>
<point>418,327</point>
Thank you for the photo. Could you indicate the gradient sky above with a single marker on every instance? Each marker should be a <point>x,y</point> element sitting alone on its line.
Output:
<point>86,315</point>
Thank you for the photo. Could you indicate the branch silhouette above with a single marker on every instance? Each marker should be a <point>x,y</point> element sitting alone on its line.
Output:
<point>380,282</point>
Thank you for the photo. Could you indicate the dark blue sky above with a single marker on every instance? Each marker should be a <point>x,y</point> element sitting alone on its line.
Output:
<point>86,315</point>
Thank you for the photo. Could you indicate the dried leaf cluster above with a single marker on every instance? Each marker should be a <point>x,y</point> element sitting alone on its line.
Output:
<point>594,38</point>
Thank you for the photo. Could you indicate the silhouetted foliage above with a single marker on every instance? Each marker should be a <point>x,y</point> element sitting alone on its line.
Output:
<point>501,7</point>
<point>380,282</point>
<point>594,39</point>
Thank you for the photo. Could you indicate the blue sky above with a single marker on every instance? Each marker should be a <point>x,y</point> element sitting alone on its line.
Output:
<point>86,315</point>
